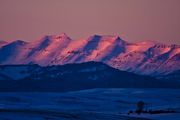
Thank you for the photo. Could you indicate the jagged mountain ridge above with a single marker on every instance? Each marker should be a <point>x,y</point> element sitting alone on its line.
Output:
<point>145,57</point>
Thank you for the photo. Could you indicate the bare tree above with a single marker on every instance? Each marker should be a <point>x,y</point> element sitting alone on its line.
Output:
<point>140,107</point>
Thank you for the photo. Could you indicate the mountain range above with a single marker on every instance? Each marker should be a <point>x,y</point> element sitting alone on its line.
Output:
<point>71,77</point>
<point>146,57</point>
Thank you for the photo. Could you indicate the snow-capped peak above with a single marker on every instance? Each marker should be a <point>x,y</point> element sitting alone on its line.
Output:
<point>145,57</point>
<point>2,43</point>
<point>17,43</point>
<point>60,37</point>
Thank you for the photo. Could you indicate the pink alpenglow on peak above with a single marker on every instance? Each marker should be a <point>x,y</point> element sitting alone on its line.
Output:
<point>146,57</point>
<point>2,43</point>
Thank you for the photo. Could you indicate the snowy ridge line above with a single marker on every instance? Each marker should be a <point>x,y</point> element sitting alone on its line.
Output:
<point>146,57</point>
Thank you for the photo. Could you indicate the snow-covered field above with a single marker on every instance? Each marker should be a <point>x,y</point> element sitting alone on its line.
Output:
<point>94,104</point>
